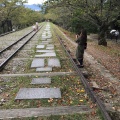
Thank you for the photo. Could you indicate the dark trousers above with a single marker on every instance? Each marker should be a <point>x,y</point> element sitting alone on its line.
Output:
<point>116,37</point>
<point>80,61</point>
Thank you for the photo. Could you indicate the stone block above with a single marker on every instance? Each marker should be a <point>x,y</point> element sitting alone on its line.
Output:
<point>38,93</point>
<point>45,69</point>
<point>43,80</point>
<point>52,54</point>
<point>54,62</point>
<point>37,62</point>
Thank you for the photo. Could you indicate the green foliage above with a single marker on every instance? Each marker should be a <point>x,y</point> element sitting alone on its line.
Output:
<point>93,15</point>
<point>19,15</point>
<point>78,24</point>
<point>26,17</point>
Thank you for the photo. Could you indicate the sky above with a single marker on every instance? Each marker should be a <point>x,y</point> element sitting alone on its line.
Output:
<point>35,2</point>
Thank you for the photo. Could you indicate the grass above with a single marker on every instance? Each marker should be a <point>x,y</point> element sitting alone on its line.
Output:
<point>71,89</point>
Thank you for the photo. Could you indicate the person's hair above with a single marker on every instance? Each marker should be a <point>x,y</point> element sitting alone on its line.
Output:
<point>84,34</point>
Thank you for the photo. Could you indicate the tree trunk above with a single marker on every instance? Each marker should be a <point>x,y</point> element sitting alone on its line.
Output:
<point>102,36</point>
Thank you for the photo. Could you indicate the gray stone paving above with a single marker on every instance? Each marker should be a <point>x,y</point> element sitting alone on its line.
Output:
<point>37,63</point>
<point>52,54</point>
<point>44,51</point>
<point>45,42</point>
<point>50,47</point>
<point>38,93</point>
<point>45,69</point>
<point>54,62</point>
<point>40,46</point>
<point>43,80</point>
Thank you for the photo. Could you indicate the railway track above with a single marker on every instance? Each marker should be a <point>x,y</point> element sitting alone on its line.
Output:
<point>9,52</point>
<point>89,90</point>
<point>55,72</point>
<point>6,33</point>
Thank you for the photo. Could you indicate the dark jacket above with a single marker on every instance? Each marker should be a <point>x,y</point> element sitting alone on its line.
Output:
<point>82,44</point>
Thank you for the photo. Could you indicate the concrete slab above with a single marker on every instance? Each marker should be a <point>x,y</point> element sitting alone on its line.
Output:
<point>38,93</point>
<point>50,48</point>
<point>45,69</point>
<point>45,41</point>
<point>37,62</point>
<point>42,80</point>
<point>44,37</point>
<point>52,54</point>
<point>54,62</point>
<point>43,34</point>
<point>44,51</point>
<point>47,29</point>
<point>40,46</point>
<point>50,45</point>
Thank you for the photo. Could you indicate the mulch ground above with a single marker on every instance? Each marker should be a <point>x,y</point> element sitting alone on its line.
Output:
<point>109,57</point>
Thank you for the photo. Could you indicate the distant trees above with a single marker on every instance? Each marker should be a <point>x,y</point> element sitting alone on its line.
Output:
<point>101,14</point>
<point>14,14</point>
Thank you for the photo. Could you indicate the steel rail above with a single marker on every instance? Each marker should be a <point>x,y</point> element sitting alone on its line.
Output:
<point>3,34</point>
<point>15,42</point>
<point>6,33</point>
<point>88,89</point>
<point>3,64</point>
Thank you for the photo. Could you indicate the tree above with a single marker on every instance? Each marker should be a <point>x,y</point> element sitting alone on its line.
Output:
<point>102,13</point>
<point>26,17</point>
<point>7,7</point>
<point>20,17</point>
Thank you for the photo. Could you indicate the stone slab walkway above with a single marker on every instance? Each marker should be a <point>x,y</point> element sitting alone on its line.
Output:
<point>38,93</point>
<point>42,80</point>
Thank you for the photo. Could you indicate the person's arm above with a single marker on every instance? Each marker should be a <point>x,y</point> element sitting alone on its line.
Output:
<point>76,36</point>
<point>78,39</point>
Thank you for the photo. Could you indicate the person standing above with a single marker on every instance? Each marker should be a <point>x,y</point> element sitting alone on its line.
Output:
<point>34,27</point>
<point>116,35</point>
<point>37,25</point>
<point>82,45</point>
<point>112,34</point>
